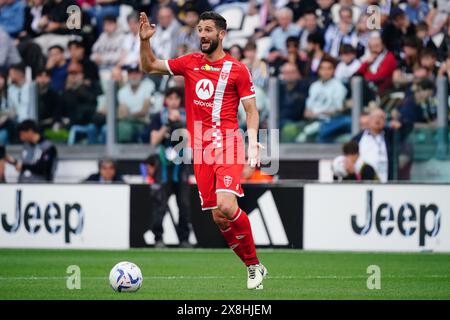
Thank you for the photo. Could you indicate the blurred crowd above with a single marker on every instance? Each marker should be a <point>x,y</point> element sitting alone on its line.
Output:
<point>314,47</point>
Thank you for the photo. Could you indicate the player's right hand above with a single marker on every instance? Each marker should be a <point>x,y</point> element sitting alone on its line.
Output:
<point>146,30</point>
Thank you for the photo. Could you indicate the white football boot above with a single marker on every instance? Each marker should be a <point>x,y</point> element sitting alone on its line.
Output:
<point>256,274</point>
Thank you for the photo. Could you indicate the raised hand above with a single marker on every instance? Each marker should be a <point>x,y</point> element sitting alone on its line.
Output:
<point>146,30</point>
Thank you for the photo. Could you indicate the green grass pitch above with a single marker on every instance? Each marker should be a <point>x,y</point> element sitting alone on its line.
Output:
<point>218,274</point>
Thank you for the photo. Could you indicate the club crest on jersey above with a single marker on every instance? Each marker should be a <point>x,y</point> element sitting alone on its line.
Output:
<point>224,75</point>
<point>204,89</point>
<point>207,67</point>
<point>227,181</point>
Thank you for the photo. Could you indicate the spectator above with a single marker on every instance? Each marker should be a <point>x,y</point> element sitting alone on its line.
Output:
<point>335,10</point>
<point>19,93</point>
<point>155,7</point>
<point>7,115</point>
<point>38,157</point>
<point>2,163</point>
<point>174,175</point>
<point>236,52</point>
<point>378,65</point>
<point>416,10</point>
<point>403,75</point>
<point>350,165</point>
<point>428,60</point>
<point>279,35</point>
<point>300,7</point>
<point>293,92</point>
<point>9,54</point>
<point>77,54</point>
<point>151,168</point>
<point>348,64</point>
<point>325,103</point>
<point>34,17</point>
<point>324,13</point>
<point>79,104</point>
<point>293,56</point>
<point>342,33</point>
<point>12,16</point>
<point>188,33</point>
<point>310,26</point>
<point>131,43</point>
<point>444,70</point>
<point>49,103</point>
<point>167,31</point>
<point>108,47</point>
<point>375,145</point>
<point>107,173</point>
<point>258,68</point>
<point>57,65</point>
<point>315,54</point>
<point>420,107</point>
<point>396,30</point>
<point>54,20</point>
<point>101,10</point>
<point>134,106</point>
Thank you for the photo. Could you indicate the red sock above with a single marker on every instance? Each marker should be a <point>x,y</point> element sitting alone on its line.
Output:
<point>233,243</point>
<point>240,224</point>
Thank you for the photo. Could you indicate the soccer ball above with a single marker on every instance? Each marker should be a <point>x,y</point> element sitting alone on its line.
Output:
<point>125,277</point>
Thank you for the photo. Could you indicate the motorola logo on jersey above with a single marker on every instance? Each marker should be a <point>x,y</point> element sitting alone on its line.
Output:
<point>204,89</point>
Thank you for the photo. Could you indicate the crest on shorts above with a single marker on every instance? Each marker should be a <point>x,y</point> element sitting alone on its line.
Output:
<point>227,181</point>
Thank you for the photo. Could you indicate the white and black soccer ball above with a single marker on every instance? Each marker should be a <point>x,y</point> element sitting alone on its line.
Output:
<point>125,277</point>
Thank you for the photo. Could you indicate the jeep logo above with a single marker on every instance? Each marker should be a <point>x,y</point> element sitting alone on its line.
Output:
<point>408,219</point>
<point>53,216</point>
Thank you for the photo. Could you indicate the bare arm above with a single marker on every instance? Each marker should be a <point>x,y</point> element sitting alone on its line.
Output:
<point>157,136</point>
<point>252,130</point>
<point>149,62</point>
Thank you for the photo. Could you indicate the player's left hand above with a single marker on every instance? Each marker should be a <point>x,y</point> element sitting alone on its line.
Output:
<point>254,155</point>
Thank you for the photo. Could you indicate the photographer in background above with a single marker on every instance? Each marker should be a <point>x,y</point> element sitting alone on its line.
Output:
<point>39,155</point>
<point>173,177</point>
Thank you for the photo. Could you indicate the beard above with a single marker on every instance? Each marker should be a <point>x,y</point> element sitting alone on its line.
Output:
<point>213,44</point>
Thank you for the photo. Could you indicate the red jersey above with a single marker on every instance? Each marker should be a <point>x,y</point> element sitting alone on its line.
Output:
<point>213,91</point>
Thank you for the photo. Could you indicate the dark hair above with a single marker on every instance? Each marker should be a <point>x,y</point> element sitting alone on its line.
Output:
<point>350,148</point>
<point>27,125</point>
<point>18,67</point>
<point>173,90</point>
<point>329,60</point>
<point>110,18</point>
<point>425,84</point>
<point>412,42</point>
<point>152,160</point>
<point>292,39</point>
<point>44,70</point>
<point>317,38</point>
<point>428,52</point>
<point>75,42</point>
<point>56,46</point>
<point>219,21</point>
<point>310,11</point>
<point>347,48</point>
<point>422,25</point>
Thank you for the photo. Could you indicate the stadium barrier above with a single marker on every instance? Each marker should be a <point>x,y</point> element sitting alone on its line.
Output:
<point>376,217</point>
<point>312,216</point>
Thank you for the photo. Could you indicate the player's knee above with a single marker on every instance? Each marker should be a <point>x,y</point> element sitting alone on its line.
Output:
<point>220,220</point>
<point>227,208</point>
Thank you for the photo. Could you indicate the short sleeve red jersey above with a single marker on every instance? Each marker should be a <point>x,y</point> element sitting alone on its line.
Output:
<point>213,91</point>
